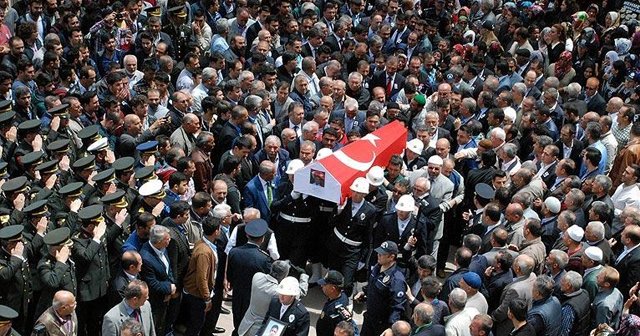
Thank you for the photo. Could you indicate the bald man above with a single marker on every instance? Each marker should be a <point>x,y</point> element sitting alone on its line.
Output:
<point>185,136</point>
<point>60,318</point>
<point>133,135</point>
<point>520,288</point>
<point>593,98</point>
<point>131,265</point>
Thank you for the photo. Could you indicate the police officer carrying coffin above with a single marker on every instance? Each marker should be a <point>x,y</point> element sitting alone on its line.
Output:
<point>56,270</point>
<point>293,221</point>
<point>352,232</point>
<point>385,292</point>
<point>15,277</point>
<point>336,308</point>
<point>92,265</point>
<point>400,227</point>
<point>377,194</point>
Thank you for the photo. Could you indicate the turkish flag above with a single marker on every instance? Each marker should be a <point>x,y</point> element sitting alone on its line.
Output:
<point>331,177</point>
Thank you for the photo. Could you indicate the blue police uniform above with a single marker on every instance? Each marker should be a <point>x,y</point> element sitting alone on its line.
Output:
<point>385,300</point>
<point>332,315</point>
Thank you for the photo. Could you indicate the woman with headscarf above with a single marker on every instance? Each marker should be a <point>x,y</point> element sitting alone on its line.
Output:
<point>622,47</point>
<point>614,81</point>
<point>562,69</point>
<point>607,64</point>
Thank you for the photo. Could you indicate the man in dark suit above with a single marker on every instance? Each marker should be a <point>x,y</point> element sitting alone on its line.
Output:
<point>248,167</point>
<point>482,175</point>
<point>353,118</point>
<point>131,264</point>
<point>428,218</point>
<point>260,192</point>
<point>547,171</point>
<point>243,262</point>
<point>296,315</point>
<point>593,98</point>
<point>230,131</point>
<point>389,79</point>
<point>498,276</point>
<point>628,262</point>
<point>157,273</point>
<point>399,227</point>
<point>569,147</point>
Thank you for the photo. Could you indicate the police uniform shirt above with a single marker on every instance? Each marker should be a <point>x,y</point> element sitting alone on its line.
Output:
<point>355,207</point>
<point>331,315</point>
<point>402,224</point>
<point>386,295</point>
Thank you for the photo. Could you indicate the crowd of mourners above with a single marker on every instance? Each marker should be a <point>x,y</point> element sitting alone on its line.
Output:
<point>148,151</point>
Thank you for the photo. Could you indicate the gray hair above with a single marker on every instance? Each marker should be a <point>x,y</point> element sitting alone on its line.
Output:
<point>280,269</point>
<point>375,39</point>
<point>456,71</point>
<point>519,87</point>
<point>573,90</point>
<point>310,126</point>
<point>350,103</point>
<point>266,167</point>
<point>424,312</point>
<point>499,133</point>
<point>559,257</point>
<point>221,211</point>
<point>252,103</point>
<point>357,75</point>
<point>157,233</point>
<point>208,73</point>
<point>134,327</point>
<point>552,82</point>
<point>544,285</point>
<point>273,139</point>
<point>470,104</point>
<point>574,279</point>
<point>492,81</point>
<point>222,26</point>
<point>458,298</point>
<point>511,150</point>
<point>203,138</point>
<point>251,212</point>
<point>309,144</point>
<point>604,181</point>
<point>597,229</point>
<point>245,74</point>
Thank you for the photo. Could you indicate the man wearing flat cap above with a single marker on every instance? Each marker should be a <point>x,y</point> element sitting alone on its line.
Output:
<point>15,276</point>
<point>92,267</point>
<point>56,271</point>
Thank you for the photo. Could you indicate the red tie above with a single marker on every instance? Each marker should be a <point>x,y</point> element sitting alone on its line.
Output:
<point>389,80</point>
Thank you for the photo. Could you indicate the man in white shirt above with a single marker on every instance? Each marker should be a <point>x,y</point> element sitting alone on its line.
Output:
<point>626,195</point>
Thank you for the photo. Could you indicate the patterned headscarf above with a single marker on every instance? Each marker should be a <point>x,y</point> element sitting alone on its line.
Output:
<point>623,45</point>
<point>629,326</point>
<point>563,64</point>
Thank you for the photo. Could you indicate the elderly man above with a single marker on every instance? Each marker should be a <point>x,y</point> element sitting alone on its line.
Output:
<point>608,303</point>
<point>299,94</point>
<point>423,319</point>
<point>626,195</point>
<point>576,306</point>
<point>519,288</point>
<point>203,175</point>
<point>60,318</point>
<point>459,321</point>
<point>288,307</point>
<point>274,152</point>
<point>545,308</point>
<point>184,136</point>
<point>260,191</point>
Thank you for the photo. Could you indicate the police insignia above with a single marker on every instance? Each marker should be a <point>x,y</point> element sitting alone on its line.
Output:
<point>362,216</point>
<point>400,294</point>
<point>291,318</point>
<point>386,279</point>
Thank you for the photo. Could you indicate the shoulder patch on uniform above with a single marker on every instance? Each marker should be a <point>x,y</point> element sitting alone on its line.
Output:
<point>362,216</point>
<point>400,294</point>
<point>386,279</point>
<point>291,318</point>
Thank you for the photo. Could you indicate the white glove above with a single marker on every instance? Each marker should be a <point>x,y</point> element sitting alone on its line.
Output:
<point>295,195</point>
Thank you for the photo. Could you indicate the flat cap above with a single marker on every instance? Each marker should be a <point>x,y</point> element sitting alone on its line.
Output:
<point>58,237</point>
<point>123,164</point>
<point>148,147</point>
<point>7,313</point>
<point>17,184</point>
<point>105,176</point>
<point>33,158</point>
<point>98,145</point>
<point>29,125</point>
<point>11,232</point>
<point>153,188</point>
<point>71,190</point>
<point>37,208</point>
<point>484,191</point>
<point>92,213</point>
<point>59,146</point>
<point>48,167</point>
<point>87,162</point>
<point>256,228</point>
<point>116,199</point>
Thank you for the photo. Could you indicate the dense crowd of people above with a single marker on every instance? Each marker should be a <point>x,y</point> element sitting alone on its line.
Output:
<point>148,151</point>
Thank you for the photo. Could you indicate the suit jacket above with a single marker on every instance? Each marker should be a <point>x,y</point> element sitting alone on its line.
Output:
<point>387,229</point>
<point>597,104</point>
<point>203,175</point>
<point>113,319</point>
<point>495,287</point>
<point>332,42</point>
<point>224,141</point>
<point>348,124</point>
<point>183,140</point>
<point>520,288</point>
<point>549,176</point>
<point>118,284</point>
<point>629,269</point>
<point>576,150</point>
<point>428,218</point>
<point>283,160</point>
<point>534,92</point>
<point>432,330</point>
<point>155,274</point>
<point>296,317</point>
<point>380,79</point>
<point>263,290</point>
<point>50,321</point>
<point>254,197</point>
<point>179,249</point>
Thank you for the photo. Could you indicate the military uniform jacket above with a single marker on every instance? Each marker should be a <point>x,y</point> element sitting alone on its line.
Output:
<point>130,193</point>
<point>385,295</point>
<point>92,267</point>
<point>331,315</point>
<point>379,199</point>
<point>56,276</point>
<point>35,249</point>
<point>301,207</point>
<point>358,228</point>
<point>15,282</point>
<point>115,237</point>
<point>296,317</point>
<point>242,263</point>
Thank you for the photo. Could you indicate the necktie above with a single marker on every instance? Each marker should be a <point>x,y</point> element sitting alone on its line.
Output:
<point>136,314</point>
<point>389,80</point>
<point>295,128</point>
<point>269,194</point>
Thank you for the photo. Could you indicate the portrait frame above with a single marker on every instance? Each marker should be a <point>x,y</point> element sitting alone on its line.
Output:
<point>274,324</point>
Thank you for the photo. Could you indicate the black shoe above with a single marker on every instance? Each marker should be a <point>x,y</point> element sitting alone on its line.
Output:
<point>218,330</point>
<point>225,311</point>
